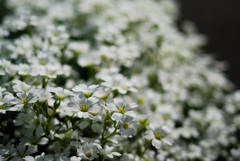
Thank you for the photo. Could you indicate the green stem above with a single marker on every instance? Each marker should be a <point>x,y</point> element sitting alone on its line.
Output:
<point>44,82</point>
<point>104,129</point>
<point>55,107</point>
<point>104,140</point>
<point>63,124</point>
<point>27,105</point>
<point>74,126</point>
<point>146,148</point>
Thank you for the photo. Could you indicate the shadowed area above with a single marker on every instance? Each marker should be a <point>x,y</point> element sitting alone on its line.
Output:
<point>219,20</point>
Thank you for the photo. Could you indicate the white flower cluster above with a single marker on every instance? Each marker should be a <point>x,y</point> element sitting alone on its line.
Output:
<point>110,80</point>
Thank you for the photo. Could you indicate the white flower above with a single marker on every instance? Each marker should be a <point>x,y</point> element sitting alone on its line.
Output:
<point>34,138</point>
<point>60,93</point>
<point>107,152</point>
<point>43,95</point>
<point>85,90</point>
<point>102,93</point>
<point>119,109</point>
<point>85,107</point>
<point>24,150</point>
<point>86,59</point>
<point>50,71</point>
<point>87,151</point>
<point>41,157</point>
<point>20,86</point>
<point>118,82</point>
<point>159,135</point>
<point>75,158</point>
<point>7,151</point>
<point>4,102</point>
<point>23,99</point>
<point>128,126</point>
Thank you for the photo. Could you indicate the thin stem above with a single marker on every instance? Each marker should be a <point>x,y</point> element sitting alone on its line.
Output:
<point>63,124</point>
<point>104,140</point>
<point>74,126</point>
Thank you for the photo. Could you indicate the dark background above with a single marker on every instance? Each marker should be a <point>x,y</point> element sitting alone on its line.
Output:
<point>219,20</point>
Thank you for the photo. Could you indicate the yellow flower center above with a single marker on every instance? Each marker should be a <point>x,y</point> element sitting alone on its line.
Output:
<point>158,136</point>
<point>140,101</point>
<point>88,154</point>
<point>122,111</point>
<point>126,126</point>
<point>87,95</point>
<point>84,108</point>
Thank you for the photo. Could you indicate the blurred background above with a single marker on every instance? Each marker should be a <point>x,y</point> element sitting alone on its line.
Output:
<point>218,20</point>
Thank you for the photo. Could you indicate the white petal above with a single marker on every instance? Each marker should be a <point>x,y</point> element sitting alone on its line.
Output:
<point>149,134</point>
<point>165,130</point>
<point>122,90</point>
<point>118,102</point>
<point>33,100</point>
<point>64,159</point>
<point>72,104</point>
<point>31,149</point>
<point>94,86</point>
<point>91,101</point>
<point>116,116</point>
<point>116,153</point>
<point>79,88</point>
<point>39,131</point>
<point>84,124</point>
<point>42,118</point>
<point>156,143</point>
<point>43,141</point>
<point>111,107</point>
<point>131,105</point>
<point>8,98</point>
<point>131,113</point>
<point>94,109</point>
<point>16,108</point>
<point>29,158</point>
<point>167,141</point>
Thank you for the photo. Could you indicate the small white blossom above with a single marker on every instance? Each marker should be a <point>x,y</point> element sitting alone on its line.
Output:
<point>60,93</point>
<point>159,135</point>
<point>128,126</point>
<point>5,102</point>
<point>43,95</point>
<point>85,107</point>
<point>23,99</point>
<point>108,153</point>
<point>85,90</point>
<point>120,109</point>
<point>87,151</point>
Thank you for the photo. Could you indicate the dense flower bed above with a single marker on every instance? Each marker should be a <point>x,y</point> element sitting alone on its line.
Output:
<point>111,80</point>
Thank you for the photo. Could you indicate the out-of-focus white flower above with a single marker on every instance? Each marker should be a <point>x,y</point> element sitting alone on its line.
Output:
<point>159,135</point>
<point>118,82</point>
<point>108,153</point>
<point>60,93</point>
<point>119,109</point>
<point>5,101</point>
<point>50,71</point>
<point>87,151</point>
<point>43,95</point>
<point>23,151</point>
<point>85,90</point>
<point>102,93</point>
<point>21,86</point>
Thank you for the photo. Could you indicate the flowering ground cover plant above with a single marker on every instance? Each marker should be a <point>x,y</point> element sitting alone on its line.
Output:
<point>111,80</point>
